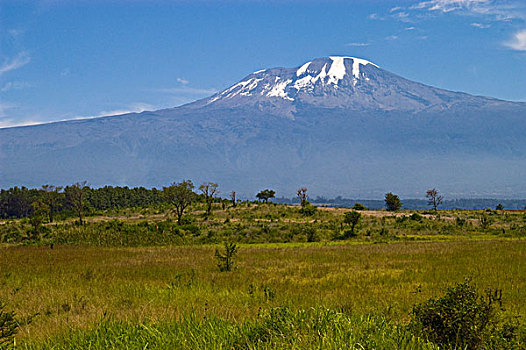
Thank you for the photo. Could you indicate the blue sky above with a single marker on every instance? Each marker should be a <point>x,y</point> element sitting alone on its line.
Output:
<point>63,59</point>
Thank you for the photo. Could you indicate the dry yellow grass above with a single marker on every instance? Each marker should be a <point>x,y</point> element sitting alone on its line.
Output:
<point>74,287</point>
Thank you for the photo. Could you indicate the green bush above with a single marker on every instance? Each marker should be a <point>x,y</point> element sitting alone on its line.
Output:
<point>308,210</point>
<point>8,326</point>
<point>359,206</point>
<point>463,319</point>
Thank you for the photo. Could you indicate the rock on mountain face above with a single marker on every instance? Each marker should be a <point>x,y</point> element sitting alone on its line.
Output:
<point>338,125</point>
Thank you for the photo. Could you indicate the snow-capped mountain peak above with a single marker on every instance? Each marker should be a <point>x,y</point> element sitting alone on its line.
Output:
<point>339,82</point>
<point>288,83</point>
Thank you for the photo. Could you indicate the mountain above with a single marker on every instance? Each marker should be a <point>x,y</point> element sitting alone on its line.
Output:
<point>337,125</point>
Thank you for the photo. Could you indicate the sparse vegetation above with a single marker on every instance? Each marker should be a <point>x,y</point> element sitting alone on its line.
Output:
<point>225,260</point>
<point>97,283</point>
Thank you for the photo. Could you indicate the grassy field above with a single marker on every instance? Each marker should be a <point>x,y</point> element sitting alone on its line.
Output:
<point>105,285</point>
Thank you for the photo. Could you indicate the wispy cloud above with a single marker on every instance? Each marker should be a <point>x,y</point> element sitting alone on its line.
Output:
<point>15,85</point>
<point>10,123</point>
<point>480,25</point>
<point>518,42</point>
<point>16,62</point>
<point>392,37</point>
<point>6,121</point>
<point>497,9</point>
<point>137,107</point>
<point>357,44</point>
<point>182,81</point>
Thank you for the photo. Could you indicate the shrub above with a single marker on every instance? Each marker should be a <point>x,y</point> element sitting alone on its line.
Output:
<point>416,217</point>
<point>225,261</point>
<point>8,325</point>
<point>308,210</point>
<point>359,206</point>
<point>485,221</point>
<point>462,319</point>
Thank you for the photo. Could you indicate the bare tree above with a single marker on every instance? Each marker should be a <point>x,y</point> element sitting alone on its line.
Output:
<point>76,196</point>
<point>233,196</point>
<point>209,190</point>
<point>302,195</point>
<point>181,195</point>
<point>434,199</point>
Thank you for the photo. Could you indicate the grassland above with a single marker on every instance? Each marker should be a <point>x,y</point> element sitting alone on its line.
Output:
<point>134,279</point>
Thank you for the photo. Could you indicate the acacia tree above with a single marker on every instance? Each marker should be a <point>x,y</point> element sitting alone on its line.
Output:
<point>265,195</point>
<point>392,202</point>
<point>352,218</point>
<point>181,195</point>
<point>76,196</point>
<point>209,190</point>
<point>302,195</point>
<point>51,196</point>
<point>434,199</point>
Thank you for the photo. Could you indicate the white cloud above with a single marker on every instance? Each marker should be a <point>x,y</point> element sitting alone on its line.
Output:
<point>410,28</point>
<point>518,42</point>
<point>182,81</point>
<point>392,37</point>
<point>10,123</point>
<point>500,10</point>
<point>66,72</point>
<point>15,85</point>
<point>132,108</point>
<point>480,25</point>
<point>18,61</point>
<point>357,44</point>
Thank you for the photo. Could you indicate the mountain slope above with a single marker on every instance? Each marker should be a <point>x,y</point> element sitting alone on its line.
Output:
<point>338,125</point>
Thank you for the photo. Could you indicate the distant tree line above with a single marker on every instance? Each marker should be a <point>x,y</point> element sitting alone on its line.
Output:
<point>17,202</point>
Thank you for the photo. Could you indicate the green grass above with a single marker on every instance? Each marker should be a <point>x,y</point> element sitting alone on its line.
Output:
<point>280,328</point>
<point>133,277</point>
<point>75,287</point>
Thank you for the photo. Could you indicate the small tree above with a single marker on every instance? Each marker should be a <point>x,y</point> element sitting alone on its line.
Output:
<point>39,212</point>
<point>209,190</point>
<point>499,207</point>
<point>302,195</point>
<point>434,199</point>
<point>265,195</point>
<point>392,202</point>
<point>180,195</point>
<point>225,261</point>
<point>76,196</point>
<point>51,196</point>
<point>352,218</point>
<point>233,197</point>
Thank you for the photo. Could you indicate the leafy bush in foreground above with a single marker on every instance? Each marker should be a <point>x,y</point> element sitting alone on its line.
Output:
<point>464,319</point>
<point>8,326</point>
